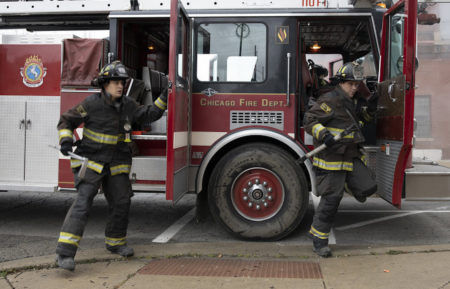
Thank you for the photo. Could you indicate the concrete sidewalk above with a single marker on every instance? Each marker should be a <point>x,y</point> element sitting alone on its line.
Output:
<point>239,265</point>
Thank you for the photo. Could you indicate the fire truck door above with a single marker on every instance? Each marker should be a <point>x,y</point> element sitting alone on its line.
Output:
<point>178,104</point>
<point>396,98</point>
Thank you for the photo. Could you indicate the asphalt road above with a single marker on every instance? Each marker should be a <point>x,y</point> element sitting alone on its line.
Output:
<point>30,223</point>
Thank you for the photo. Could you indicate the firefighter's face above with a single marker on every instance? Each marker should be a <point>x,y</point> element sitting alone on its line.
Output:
<point>115,88</point>
<point>350,87</point>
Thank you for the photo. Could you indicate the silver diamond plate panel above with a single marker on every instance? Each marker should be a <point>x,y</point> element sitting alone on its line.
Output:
<point>386,168</point>
<point>241,118</point>
<point>149,168</point>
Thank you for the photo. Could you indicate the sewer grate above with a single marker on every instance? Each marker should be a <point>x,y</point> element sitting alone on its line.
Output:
<point>233,268</point>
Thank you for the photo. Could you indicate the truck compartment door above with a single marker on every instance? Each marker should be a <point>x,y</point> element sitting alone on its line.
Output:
<point>178,104</point>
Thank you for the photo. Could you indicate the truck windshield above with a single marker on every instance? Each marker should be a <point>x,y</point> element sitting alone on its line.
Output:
<point>231,52</point>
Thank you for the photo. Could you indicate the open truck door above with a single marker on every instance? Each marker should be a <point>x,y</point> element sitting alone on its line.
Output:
<point>178,103</point>
<point>396,99</point>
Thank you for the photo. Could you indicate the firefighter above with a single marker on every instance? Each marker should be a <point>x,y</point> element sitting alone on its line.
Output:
<point>341,165</point>
<point>107,117</point>
<point>321,73</point>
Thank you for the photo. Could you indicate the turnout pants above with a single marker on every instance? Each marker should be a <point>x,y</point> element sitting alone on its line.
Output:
<point>117,190</point>
<point>331,185</point>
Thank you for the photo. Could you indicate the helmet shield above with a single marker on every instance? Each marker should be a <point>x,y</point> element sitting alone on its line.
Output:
<point>358,72</point>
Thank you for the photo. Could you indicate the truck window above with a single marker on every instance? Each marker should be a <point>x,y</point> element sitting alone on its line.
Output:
<point>368,62</point>
<point>231,52</point>
<point>396,44</point>
<point>331,62</point>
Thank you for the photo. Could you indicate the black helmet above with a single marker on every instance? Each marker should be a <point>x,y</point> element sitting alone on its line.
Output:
<point>320,70</point>
<point>115,70</point>
<point>350,71</point>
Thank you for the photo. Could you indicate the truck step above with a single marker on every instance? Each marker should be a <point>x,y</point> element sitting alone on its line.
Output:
<point>150,136</point>
<point>148,188</point>
<point>427,181</point>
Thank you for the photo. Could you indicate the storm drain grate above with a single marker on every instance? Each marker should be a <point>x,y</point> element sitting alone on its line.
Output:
<point>233,268</point>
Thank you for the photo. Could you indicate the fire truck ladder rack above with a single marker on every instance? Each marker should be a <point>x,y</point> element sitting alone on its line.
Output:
<point>63,7</point>
<point>60,15</point>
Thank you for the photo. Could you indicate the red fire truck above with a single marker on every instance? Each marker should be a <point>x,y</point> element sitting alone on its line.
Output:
<point>240,75</point>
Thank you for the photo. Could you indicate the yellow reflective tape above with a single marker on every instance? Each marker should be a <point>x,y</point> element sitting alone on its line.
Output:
<point>65,133</point>
<point>364,159</point>
<point>116,241</point>
<point>75,163</point>
<point>336,131</point>
<point>120,169</point>
<point>318,234</point>
<point>95,166</point>
<point>332,166</point>
<point>160,104</point>
<point>69,238</point>
<point>91,164</point>
<point>100,137</point>
<point>316,129</point>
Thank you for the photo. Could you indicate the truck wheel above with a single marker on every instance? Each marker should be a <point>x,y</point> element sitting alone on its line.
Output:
<point>256,191</point>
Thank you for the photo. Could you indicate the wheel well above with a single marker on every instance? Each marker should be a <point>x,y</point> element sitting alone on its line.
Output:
<point>241,141</point>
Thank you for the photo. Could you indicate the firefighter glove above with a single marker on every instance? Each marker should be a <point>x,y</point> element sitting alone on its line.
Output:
<point>329,140</point>
<point>163,95</point>
<point>66,147</point>
<point>372,103</point>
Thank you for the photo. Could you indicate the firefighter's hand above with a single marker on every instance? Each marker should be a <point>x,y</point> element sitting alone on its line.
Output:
<point>163,95</point>
<point>66,147</point>
<point>372,103</point>
<point>329,140</point>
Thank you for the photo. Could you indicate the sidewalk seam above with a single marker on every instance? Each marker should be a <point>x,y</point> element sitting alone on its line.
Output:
<point>9,283</point>
<point>129,276</point>
<point>444,285</point>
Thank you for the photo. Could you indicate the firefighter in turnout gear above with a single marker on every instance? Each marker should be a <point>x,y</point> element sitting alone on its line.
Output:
<point>107,117</point>
<point>341,166</point>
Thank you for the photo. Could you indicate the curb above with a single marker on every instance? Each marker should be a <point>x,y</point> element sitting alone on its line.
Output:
<point>208,250</point>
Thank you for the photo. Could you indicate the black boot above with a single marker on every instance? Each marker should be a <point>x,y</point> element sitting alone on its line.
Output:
<point>360,199</point>
<point>321,249</point>
<point>65,262</point>
<point>320,246</point>
<point>122,250</point>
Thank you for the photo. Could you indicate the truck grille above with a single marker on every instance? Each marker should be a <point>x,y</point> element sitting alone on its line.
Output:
<point>241,118</point>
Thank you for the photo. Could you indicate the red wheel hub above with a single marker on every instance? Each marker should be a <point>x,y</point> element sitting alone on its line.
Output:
<point>257,194</point>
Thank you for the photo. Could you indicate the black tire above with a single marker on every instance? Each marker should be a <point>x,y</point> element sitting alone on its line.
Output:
<point>261,174</point>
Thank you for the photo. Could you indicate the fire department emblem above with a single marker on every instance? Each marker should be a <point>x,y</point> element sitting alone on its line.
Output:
<point>282,36</point>
<point>33,71</point>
